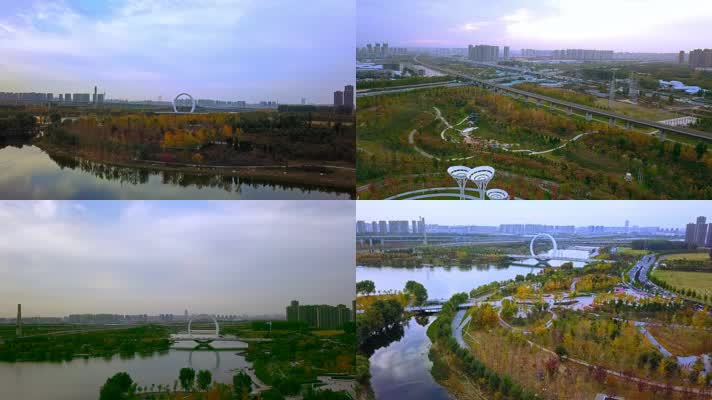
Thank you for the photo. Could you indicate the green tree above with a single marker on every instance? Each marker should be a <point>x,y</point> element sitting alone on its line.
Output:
<point>700,149</point>
<point>676,150</point>
<point>365,287</point>
<point>205,378</point>
<point>241,386</point>
<point>186,378</point>
<point>417,291</point>
<point>117,387</point>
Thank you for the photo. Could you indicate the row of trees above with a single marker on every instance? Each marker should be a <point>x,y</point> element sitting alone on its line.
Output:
<point>440,332</point>
<point>122,387</point>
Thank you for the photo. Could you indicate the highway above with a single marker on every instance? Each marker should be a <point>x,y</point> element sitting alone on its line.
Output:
<point>574,106</point>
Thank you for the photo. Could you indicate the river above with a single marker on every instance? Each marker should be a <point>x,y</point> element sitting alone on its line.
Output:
<point>81,379</point>
<point>401,370</point>
<point>27,172</point>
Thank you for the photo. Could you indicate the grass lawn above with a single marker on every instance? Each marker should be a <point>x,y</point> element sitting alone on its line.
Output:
<point>334,332</point>
<point>698,281</point>
<point>364,302</point>
<point>688,256</point>
<point>683,341</point>
<point>637,111</point>
<point>628,250</point>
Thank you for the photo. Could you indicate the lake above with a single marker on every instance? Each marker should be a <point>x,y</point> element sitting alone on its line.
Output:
<point>81,379</point>
<point>441,282</point>
<point>401,370</point>
<point>27,172</point>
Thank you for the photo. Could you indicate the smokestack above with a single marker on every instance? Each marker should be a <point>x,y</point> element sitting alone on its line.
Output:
<point>18,329</point>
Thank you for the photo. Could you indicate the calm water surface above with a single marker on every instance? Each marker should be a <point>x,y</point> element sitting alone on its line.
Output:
<point>401,370</point>
<point>81,379</point>
<point>30,173</point>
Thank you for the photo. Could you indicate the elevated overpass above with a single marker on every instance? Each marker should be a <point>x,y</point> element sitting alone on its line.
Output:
<point>570,107</point>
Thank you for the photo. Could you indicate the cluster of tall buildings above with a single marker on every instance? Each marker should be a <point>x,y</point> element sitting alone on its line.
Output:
<point>698,58</point>
<point>532,229</point>
<point>391,227</point>
<point>699,233</point>
<point>62,98</point>
<point>344,98</point>
<point>485,53</point>
<point>583,54</point>
<point>379,50</point>
<point>320,316</point>
<point>570,54</point>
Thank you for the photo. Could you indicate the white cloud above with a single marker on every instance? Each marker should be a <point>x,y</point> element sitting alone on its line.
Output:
<point>474,26</point>
<point>45,208</point>
<point>574,20</point>
<point>150,257</point>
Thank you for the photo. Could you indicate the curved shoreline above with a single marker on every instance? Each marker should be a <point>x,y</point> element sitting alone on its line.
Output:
<point>338,181</point>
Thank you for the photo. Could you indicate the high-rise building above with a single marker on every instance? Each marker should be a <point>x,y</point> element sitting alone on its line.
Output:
<point>338,98</point>
<point>94,98</point>
<point>506,52</point>
<point>690,233</point>
<point>60,98</point>
<point>700,58</point>
<point>681,57</point>
<point>349,96</point>
<point>701,231</point>
<point>382,227</point>
<point>67,97</point>
<point>482,52</point>
<point>374,227</point>
<point>360,227</point>
<point>320,316</point>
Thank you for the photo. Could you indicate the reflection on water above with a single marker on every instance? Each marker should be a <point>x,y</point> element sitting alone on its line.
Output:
<point>28,172</point>
<point>402,369</point>
<point>441,282</point>
<point>81,379</point>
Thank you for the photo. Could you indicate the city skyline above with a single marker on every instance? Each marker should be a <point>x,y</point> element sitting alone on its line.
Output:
<point>137,50</point>
<point>618,25</point>
<point>662,213</point>
<point>246,257</point>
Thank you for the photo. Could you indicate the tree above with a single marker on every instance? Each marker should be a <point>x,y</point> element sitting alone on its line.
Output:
<point>116,387</point>
<point>241,386</point>
<point>365,287</point>
<point>205,378</point>
<point>417,291</point>
<point>700,149</point>
<point>676,150</point>
<point>186,377</point>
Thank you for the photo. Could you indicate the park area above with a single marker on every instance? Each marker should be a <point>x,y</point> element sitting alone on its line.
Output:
<point>700,282</point>
<point>406,141</point>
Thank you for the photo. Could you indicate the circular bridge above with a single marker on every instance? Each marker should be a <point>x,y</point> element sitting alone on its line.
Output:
<point>176,100</point>
<point>203,317</point>
<point>545,236</point>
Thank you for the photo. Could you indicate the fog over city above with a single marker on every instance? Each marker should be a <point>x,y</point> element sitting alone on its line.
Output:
<point>619,25</point>
<point>280,50</point>
<point>662,213</point>
<point>240,257</point>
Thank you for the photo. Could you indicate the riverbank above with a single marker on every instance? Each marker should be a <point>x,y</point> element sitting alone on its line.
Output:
<point>336,176</point>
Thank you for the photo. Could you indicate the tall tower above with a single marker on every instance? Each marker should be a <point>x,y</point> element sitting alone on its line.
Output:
<point>425,233</point>
<point>95,98</point>
<point>612,90</point>
<point>18,327</point>
<point>633,88</point>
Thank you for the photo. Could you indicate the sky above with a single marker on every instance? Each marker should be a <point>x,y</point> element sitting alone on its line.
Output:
<point>621,25</point>
<point>249,50</point>
<point>134,257</point>
<point>663,213</point>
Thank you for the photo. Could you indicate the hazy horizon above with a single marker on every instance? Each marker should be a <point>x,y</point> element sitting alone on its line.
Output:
<point>159,257</point>
<point>249,50</point>
<point>663,213</point>
<point>656,26</point>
